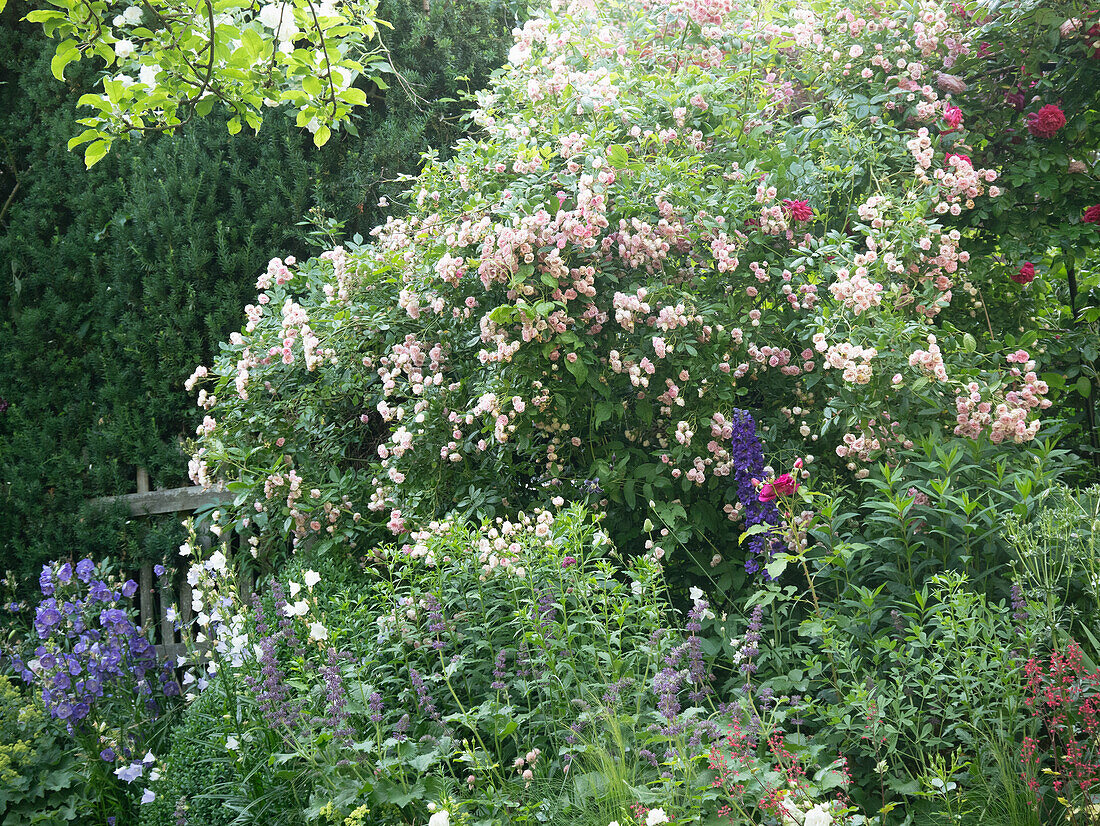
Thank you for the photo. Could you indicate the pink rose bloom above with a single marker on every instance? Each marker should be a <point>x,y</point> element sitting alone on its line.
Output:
<point>767,493</point>
<point>953,117</point>
<point>785,485</point>
<point>1046,122</point>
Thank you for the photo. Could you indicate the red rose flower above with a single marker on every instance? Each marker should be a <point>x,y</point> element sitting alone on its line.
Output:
<point>798,210</point>
<point>1026,274</point>
<point>1092,214</point>
<point>1046,122</point>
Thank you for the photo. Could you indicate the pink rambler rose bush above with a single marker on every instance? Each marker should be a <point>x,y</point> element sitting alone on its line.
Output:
<point>671,212</point>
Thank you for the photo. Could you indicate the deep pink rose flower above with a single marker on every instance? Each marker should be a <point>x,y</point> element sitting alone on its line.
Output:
<point>1026,274</point>
<point>798,210</point>
<point>959,155</point>
<point>1092,214</point>
<point>1046,122</point>
<point>784,485</point>
<point>953,117</point>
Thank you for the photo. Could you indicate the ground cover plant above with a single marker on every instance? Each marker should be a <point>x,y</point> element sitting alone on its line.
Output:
<point>698,442</point>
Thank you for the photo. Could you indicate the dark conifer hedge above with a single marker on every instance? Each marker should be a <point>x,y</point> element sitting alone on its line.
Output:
<point>115,282</point>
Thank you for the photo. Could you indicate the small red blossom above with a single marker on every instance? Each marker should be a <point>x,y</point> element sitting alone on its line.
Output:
<point>1046,122</point>
<point>798,210</point>
<point>1026,274</point>
<point>1092,214</point>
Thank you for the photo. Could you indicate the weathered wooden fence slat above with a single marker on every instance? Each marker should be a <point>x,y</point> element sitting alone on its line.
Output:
<point>157,595</point>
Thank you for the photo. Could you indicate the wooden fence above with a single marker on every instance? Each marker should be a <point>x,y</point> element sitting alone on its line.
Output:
<point>157,595</point>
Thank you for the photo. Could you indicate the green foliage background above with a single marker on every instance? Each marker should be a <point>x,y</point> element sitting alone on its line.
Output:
<point>117,281</point>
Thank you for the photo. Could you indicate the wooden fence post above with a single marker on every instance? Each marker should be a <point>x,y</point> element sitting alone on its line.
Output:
<point>145,579</point>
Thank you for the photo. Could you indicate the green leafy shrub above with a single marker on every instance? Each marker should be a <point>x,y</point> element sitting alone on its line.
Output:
<point>196,768</point>
<point>40,779</point>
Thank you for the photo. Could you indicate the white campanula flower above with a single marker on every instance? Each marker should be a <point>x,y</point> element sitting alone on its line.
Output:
<point>232,743</point>
<point>311,578</point>
<point>696,594</point>
<point>317,631</point>
<point>148,796</point>
<point>297,609</point>
<point>295,587</point>
<point>819,815</point>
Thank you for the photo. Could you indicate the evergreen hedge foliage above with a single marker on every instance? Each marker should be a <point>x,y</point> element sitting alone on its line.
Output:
<point>118,280</point>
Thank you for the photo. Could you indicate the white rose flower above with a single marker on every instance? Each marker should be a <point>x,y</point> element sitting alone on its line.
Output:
<point>132,15</point>
<point>656,816</point>
<point>148,75</point>
<point>123,49</point>
<point>440,818</point>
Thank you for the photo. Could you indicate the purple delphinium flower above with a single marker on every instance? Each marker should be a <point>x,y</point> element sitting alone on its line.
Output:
<point>748,464</point>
